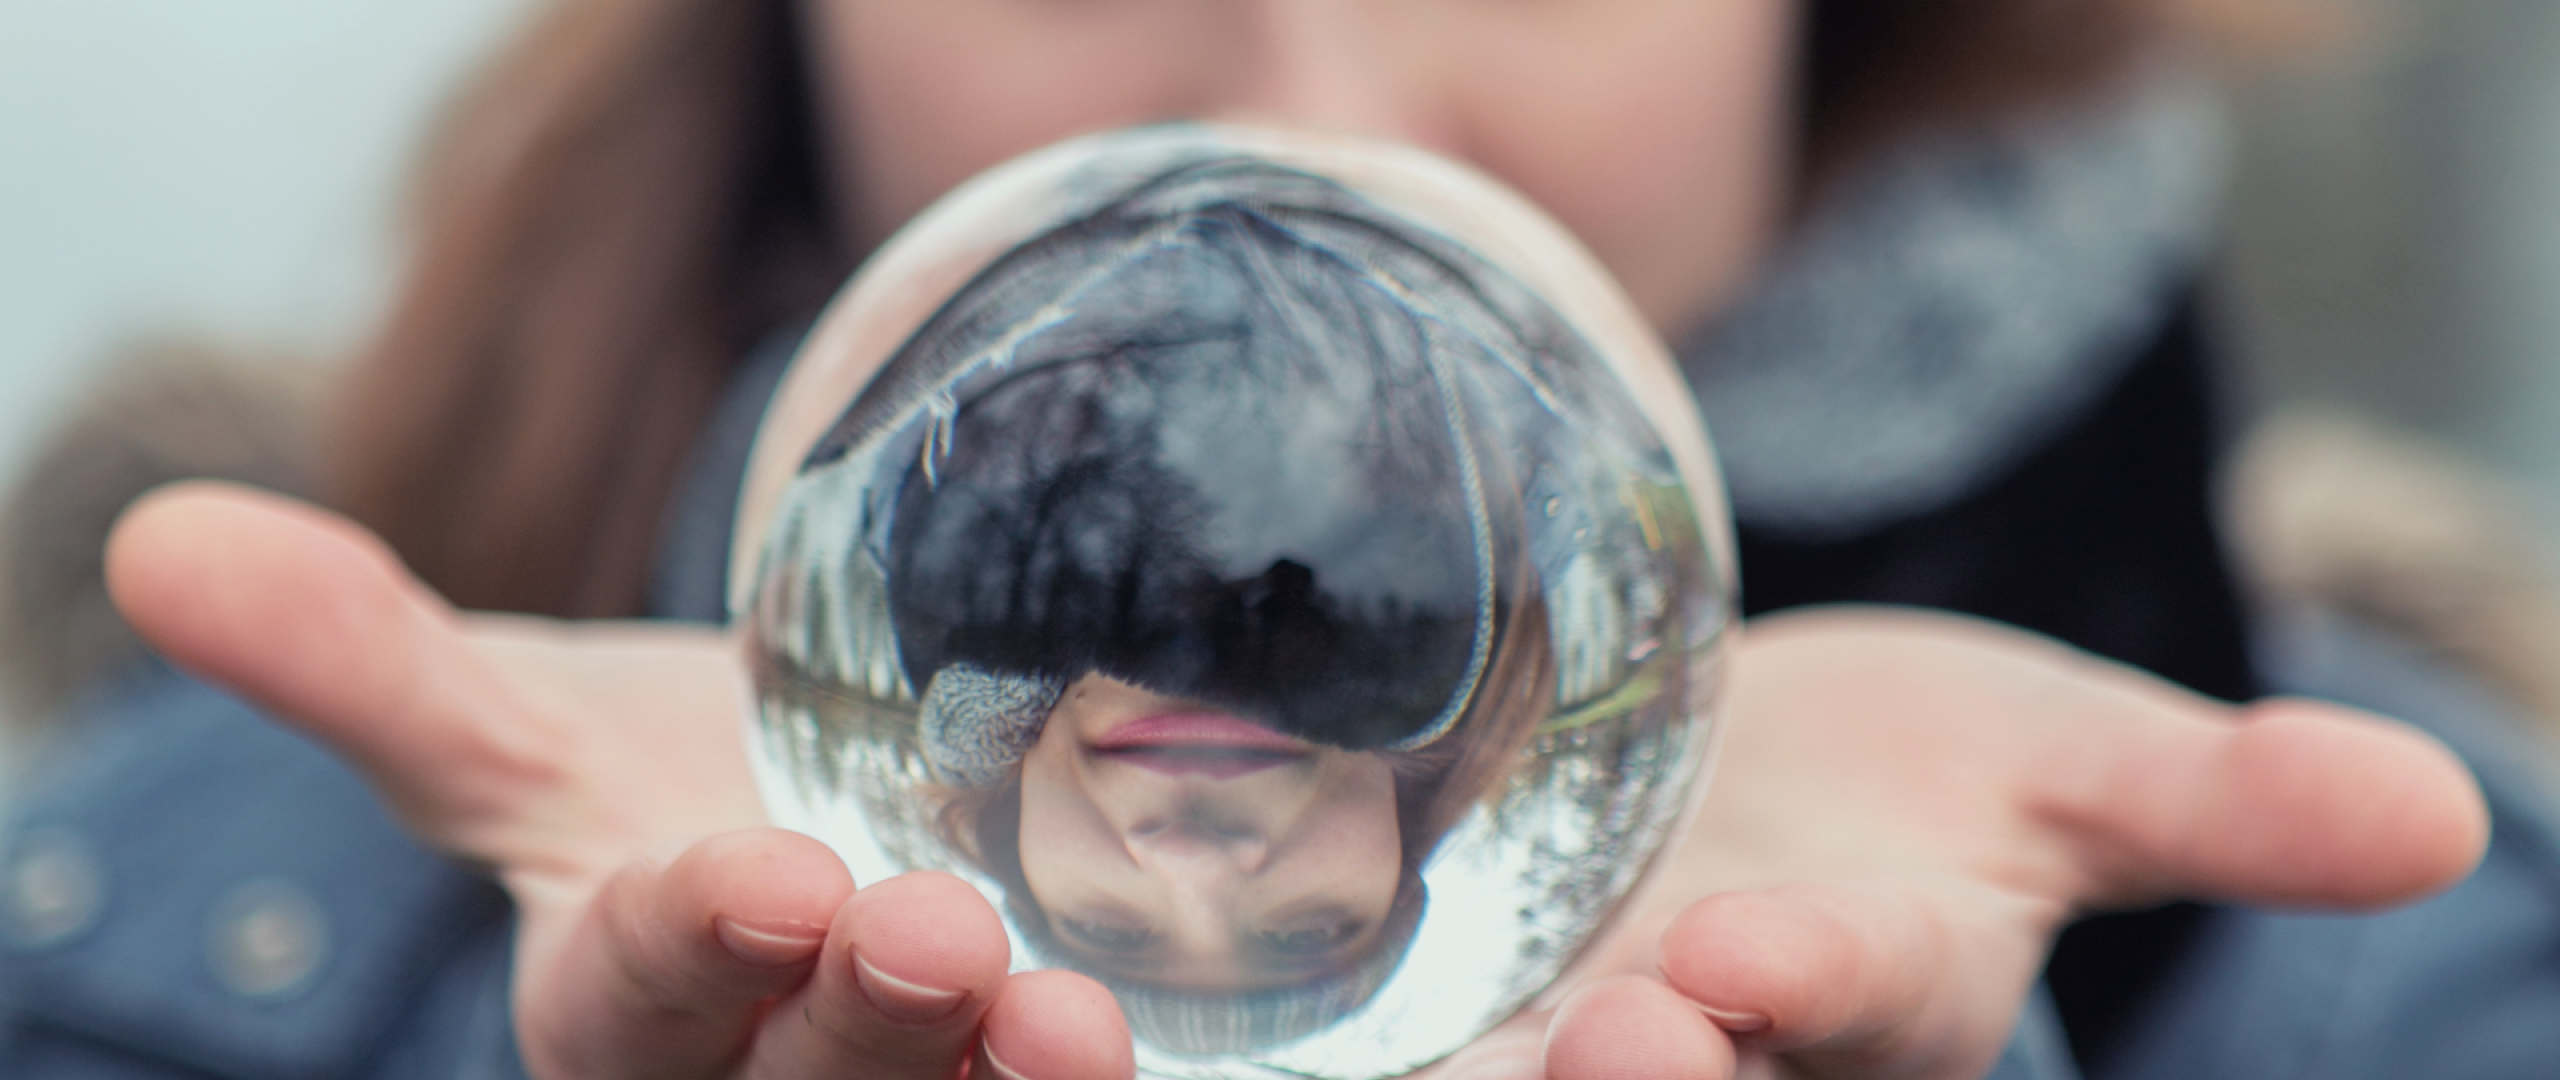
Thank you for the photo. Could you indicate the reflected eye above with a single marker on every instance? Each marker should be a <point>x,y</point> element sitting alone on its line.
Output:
<point>1306,941</point>
<point>1107,937</point>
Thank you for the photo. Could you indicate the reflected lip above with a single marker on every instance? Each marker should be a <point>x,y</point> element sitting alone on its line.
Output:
<point>1214,745</point>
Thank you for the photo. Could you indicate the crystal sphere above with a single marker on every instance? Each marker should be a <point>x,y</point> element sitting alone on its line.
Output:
<point>1280,572</point>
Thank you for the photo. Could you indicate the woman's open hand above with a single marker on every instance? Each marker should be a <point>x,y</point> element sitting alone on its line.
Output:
<point>599,769</point>
<point>1907,807</point>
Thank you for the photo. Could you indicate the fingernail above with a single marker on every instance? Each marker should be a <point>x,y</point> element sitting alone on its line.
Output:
<point>997,1066</point>
<point>903,1001</point>
<point>1739,1023</point>
<point>767,948</point>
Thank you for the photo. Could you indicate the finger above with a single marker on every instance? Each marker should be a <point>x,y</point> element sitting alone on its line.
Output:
<point>2300,803</point>
<point>1054,1025</point>
<point>669,973</point>
<point>1847,975</point>
<point>1632,1028</point>
<point>307,615</point>
<point>910,966</point>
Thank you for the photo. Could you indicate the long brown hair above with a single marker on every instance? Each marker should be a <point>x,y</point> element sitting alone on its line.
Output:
<point>608,220</point>
<point>632,195</point>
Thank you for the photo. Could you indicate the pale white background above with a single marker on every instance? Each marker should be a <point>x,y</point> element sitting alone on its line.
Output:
<point>226,167</point>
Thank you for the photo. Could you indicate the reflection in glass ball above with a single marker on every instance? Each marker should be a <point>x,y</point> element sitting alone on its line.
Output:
<point>1281,612</point>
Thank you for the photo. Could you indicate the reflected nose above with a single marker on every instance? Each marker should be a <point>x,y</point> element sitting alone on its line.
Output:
<point>1195,848</point>
<point>1325,65</point>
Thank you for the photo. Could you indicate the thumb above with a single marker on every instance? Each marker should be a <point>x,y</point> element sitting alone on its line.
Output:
<point>307,615</point>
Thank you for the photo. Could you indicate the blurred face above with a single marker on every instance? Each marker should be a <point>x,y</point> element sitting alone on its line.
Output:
<point>1654,129</point>
<point>1182,847</point>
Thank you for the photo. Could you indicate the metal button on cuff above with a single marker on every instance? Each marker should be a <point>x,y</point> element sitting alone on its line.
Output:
<point>52,890</point>
<point>267,939</point>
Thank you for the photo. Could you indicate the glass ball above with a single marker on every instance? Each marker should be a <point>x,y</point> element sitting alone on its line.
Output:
<point>1280,572</point>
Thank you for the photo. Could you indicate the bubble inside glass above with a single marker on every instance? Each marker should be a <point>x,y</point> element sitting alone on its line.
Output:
<point>1276,608</point>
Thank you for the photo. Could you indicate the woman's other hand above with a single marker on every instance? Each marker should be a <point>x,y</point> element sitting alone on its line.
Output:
<point>1909,806</point>
<point>599,770</point>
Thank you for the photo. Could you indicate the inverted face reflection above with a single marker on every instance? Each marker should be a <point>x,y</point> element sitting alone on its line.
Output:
<point>1174,844</point>
<point>1278,610</point>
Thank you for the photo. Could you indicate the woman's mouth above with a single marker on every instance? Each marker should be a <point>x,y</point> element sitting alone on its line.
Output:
<point>1214,745</point>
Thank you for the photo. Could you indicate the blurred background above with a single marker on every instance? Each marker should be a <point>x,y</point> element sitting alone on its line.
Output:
<point>227,170</point>
<point>230,173</point>
<point>171,170</point>
<point>2393,244</point>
